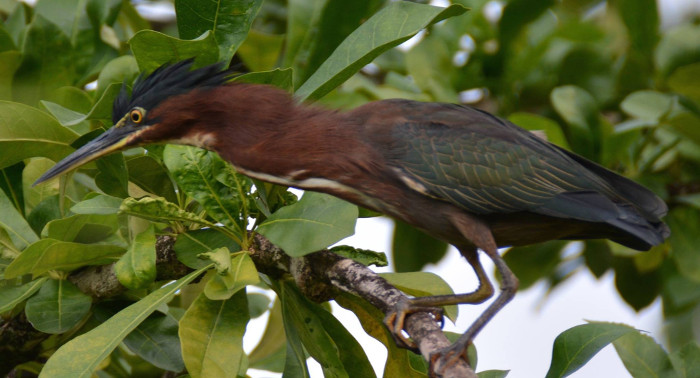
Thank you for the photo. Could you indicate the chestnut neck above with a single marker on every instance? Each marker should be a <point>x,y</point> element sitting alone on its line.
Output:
<point>265,134</point>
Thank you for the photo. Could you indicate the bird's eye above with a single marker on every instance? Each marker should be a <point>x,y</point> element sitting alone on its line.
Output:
<point>136,116</point>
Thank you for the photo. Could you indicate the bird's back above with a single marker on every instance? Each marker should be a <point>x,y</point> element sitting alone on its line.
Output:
<point>511,178</point>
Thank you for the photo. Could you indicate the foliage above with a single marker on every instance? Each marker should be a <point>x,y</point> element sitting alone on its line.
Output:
<point>600,79</point>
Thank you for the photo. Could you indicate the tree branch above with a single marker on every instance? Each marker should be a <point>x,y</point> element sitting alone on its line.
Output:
<point>319,275</point>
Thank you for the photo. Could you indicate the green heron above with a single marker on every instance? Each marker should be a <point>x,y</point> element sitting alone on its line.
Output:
<point>458,173</point>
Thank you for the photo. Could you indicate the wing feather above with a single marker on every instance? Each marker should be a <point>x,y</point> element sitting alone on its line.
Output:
<point>488,168</point>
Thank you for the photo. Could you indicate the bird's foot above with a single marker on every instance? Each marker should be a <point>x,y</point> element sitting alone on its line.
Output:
<point>396,318</point>
<point>445,358</point>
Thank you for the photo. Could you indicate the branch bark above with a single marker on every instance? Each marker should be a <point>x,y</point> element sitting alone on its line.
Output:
<point>319,275</point>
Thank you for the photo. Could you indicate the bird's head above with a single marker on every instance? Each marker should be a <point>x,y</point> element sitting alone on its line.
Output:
<point>138,118</point>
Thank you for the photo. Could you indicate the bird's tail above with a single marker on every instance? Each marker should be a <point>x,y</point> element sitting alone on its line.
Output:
<point>630,226</point>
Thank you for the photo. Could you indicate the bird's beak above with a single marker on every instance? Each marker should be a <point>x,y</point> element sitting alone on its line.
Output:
<point>114,139</point>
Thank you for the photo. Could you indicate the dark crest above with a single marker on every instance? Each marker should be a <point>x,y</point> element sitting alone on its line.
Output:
<point>166,81</point>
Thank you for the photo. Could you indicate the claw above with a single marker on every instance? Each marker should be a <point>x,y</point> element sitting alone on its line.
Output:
<point>445,358</point>
<point>395,320</point>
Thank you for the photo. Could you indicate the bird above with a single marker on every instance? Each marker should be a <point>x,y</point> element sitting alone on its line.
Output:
<point>458,173</point>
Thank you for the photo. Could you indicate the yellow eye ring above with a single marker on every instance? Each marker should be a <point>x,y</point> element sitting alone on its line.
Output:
<point>136,116</point>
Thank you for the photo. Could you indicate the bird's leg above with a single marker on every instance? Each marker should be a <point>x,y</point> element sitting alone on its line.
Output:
<point>396,317</point>
<point>442,359</point>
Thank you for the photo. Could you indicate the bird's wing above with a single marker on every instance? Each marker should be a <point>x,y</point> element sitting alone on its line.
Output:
<point>479,172</point>
<point>486,165</point>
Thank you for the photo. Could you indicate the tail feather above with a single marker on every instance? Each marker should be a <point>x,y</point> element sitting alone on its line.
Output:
<point>632,228</point>
<point>645,201</point>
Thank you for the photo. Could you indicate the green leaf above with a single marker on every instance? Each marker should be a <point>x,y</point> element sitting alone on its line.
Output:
<point>308,321</point>
<point>302,29</point>
<point>62,15</point>
<point>242,273</point>
<point>421,284</point>
<point>196,170</point>
<point>57,307</point>
<point>363,256</point>
<point>192,243</point>
<point>261,51</point>
<point>677,48</point>
<point>371,318</point>
<point>100,204</point>
<point>33,195</point>
<point>493,374</point>
<point>103,12</point>
<point>16,22</point>
<point>160,210</point>
<point>686,81</point>
<point>534,122</point>
<point>211,333</point>
<point>642,356</point>
<point>315,222</point>
<point>81,228</point>
<point>680,292</point>
<point>9,63</point>
<point>280,78</point>
<point>14,224</point>
<point>531,263</point>
<point>642,20</point>
<point>63,115</point>
<point>427,63</point>
<point>136,269</point>
<point>685,221</point>
<point>516,15</point>
<point>28,132</point>
<point>598,256</point>
<point>638,288</point>
<point>52,254</point>
<point>295,356</point>
<point>153,49</point>
<point>413,249</point>
<point>151,176</point>
<point>38,76</point>
<point>268,354</point>
<point>101,110</point>
<point>352,355</point>
<point>156,341</point>
<point>336,20</point>
<point>111,177</point>
<point>94,346</point>
<point>228,21</point>
<point>221,257</point>
<point>45,211</point>
<point>73,98</point>
<point>258,304</point>
<point>686,361</point>
<point>389,27</point>
<point>117,71</point>
<point>575,346</point>
<point>688,125</point>
<point>580,111</point>
<point>11,184</point>
<point>647,105</point>
<point>11,296</point>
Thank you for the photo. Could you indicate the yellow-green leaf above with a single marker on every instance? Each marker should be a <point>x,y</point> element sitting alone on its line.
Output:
<point>94,346</point>
<point>211,335</point>
<point>136,269</point>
